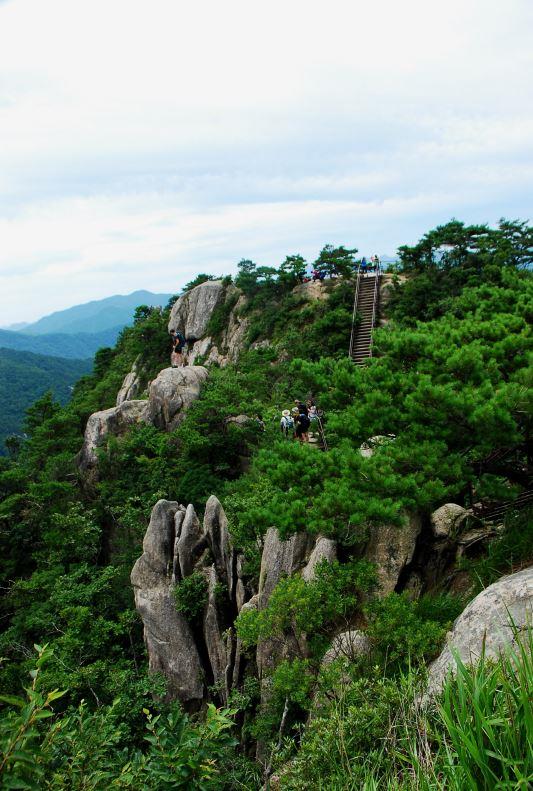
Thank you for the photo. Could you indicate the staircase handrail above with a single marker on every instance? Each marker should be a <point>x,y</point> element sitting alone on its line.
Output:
<point>375,302</point>
<point>356,297</point>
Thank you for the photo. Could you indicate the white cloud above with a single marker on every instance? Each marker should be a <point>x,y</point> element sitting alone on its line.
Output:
<point>141,142</point>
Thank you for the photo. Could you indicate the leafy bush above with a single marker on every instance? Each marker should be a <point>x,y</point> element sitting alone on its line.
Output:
<point>85,750</point>
<point>400,633</point>
<point>190,594</point>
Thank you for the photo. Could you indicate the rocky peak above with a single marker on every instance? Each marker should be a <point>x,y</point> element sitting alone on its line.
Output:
<point>190,313</point>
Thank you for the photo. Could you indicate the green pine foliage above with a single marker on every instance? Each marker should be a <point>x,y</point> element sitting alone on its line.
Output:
<point>449,390</point>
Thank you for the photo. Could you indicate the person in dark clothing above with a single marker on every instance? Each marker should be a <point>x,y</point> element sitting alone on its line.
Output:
<point>302,408</point>
<point>178,345</point>
<point>302,427</point>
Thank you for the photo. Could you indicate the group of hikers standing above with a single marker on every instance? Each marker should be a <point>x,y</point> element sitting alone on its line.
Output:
<point>297,421</point>
<point>364,265</point>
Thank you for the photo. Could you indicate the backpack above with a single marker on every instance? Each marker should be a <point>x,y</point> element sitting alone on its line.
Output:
<point>304,421</point>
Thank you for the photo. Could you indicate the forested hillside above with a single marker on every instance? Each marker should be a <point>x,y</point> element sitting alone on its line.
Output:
<point>328,665</point>
<point>79,346</point>
<point>25,376</point>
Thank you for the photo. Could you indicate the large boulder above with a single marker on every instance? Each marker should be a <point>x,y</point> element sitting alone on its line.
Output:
<point>169,639</point>
<point>496,619</point>
<point>448,520</point>
<point>115,421</point>
<point>171,394</point>
<point>190,313</point>
<point>391,548</point>
<point>351,645</point>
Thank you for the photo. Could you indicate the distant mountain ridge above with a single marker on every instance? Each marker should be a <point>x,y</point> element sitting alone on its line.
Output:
<point>95,316</point>
<point>80,346</point>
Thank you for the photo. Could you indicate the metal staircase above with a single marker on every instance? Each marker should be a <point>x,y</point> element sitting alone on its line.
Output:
<point>365,305</point>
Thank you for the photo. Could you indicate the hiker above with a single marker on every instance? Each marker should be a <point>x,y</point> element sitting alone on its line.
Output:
<point>316,275</point>
<point>260,422</point>
<point>300,406</point>
<point>312,411</point>
<point>178,345</point>
<point>302,427</point>
<point>364,266</point>
<point>286,423</point>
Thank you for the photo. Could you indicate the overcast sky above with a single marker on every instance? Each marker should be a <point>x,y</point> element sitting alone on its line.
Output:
<point>144,142</point>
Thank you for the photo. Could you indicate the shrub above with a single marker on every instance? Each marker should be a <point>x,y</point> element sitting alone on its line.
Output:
<point>190,594</point>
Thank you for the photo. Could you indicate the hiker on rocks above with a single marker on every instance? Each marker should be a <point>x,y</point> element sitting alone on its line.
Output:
<point>178,345</point>
<point>286,423</point>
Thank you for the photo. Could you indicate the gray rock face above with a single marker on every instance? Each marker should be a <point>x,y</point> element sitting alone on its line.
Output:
<point>391,547</point>
<point>351,645</point>
<point>218,538</point>
<point>324,549</point>
<point>169,639</point>
<point>130,386</point>
<point>219,649</point>
<point>448,520</point>
<point>174,547</point>
<point>191,312</point>
<point>189,539</point>
<point>116,421</point>
<point>172,393</point>
<point>487,618</point>
<point>280,558</point>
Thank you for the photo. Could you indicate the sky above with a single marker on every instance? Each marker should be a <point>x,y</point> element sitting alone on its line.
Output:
<point>144,142</point>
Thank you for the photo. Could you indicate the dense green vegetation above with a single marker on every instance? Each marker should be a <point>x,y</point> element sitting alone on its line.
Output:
<point>450,384</point>
<point>25,376</point>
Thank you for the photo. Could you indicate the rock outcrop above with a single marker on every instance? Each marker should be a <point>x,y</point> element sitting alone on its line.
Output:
<point>169,639</point>
<point>488,620</point>
<point>391,548</point>
<point>115,421</point>
<point>190,313</point>
<point>448,520</point>
<point>175,546</point>
<point>350,645</point>
<point>171,394</point>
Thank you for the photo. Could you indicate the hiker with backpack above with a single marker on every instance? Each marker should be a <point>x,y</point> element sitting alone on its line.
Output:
<point>302,424</point>
<point>178,345</point>
<point>286,423</point>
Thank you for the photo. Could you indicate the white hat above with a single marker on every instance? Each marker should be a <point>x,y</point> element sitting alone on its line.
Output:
<point>286,413</point>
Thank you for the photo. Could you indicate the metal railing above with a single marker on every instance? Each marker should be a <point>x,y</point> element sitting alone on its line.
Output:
<point>360,274</point>
<point>375,302</point>
<point>355,300</point>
